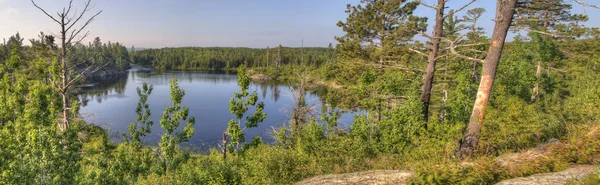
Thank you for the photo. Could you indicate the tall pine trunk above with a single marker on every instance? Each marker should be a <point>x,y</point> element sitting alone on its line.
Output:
<point>504,14</point>
<point>431,58</point>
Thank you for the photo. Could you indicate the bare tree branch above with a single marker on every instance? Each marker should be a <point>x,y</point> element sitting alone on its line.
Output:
<point>460,9</point>
<point>457,54</point>
<point>38,7</point>
<point>390,66</point>
<point>85,9</point>
<point>465,45</point>
<point>425,35</point>
<point>68,10</point>
<point>87,33</point>
<point>583,5</point>
<point>474,44</point>
<point>426,5</point>
<point>418,52</point>
<point>540,32</point>
<point>82,73</point>
<point>67,34</point>
<point>77,58</point>
<point>477,51</point>
<point>54,83</point>
<point>441,56</point>
<point>77,31</point>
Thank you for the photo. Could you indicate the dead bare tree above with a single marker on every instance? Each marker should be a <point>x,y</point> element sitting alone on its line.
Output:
<point>302,110</point>
<point>224,142</point>
<point>434,48</point>
<point>72,25</point>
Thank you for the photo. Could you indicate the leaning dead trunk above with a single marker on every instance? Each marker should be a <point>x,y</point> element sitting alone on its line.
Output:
<point>431,58</point>
<point>504,15</point>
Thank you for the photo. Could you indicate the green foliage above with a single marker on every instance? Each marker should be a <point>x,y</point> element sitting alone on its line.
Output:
<point>33,150</point>
<point>196,58</point>
<point>375,73</point>
<point>375,29</point>
<point>399,133</point>
<point>170,120</point>
<point>553,16</point>
<point>591,179</point>
<point>362,136</point>
<point>312,135</point>
<point>110,55</point>
<point>238,106</point>
<point>272,166</point>
<point>38,155</point>
<point>330,116</point>
<point>143,124</point>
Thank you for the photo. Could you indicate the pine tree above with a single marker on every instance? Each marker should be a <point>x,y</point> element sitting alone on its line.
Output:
<point>504,15</point>
<point>238,106</point>
<point>143,124</point>
<point>170,120</point>
<point>375,31</point>
<point>547,20</point>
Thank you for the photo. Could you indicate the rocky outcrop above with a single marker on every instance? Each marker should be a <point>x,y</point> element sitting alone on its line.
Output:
<point>376,177</point>
<point>518,160</point>
<point>105,73</point>
<point>260,77</point>
<point>562,177</point>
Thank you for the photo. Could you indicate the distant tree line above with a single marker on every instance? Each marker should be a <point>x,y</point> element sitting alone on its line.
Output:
<point>108,55</point>
<point>215,58</point>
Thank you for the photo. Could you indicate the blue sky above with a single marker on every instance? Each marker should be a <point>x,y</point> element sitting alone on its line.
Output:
<point>241,23</point>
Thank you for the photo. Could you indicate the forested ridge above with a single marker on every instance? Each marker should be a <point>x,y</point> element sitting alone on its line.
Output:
<point>447,106</point>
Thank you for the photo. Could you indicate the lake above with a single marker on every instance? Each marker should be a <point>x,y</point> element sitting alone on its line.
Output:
<point>111,104</point>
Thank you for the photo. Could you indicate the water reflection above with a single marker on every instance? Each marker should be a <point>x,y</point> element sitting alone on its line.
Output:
<point>113,103</point>
<point>102,90</point>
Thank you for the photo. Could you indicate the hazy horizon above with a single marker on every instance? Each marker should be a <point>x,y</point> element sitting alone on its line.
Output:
<point>185,23</point>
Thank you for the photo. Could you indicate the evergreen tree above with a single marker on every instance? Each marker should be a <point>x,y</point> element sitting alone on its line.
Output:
<point>504,17</point>
<point>171,118</point>
<point>238,106</point>
<point>376,30</point>
<point>143,124</point>
<point>546,21</point>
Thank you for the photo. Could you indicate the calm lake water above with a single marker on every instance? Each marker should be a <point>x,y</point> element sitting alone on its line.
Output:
<point>111,104</point>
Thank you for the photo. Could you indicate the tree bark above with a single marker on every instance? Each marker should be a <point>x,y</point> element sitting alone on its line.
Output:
<point>64,91</point>
<point>504,14</point>
<point>431,58</point>
<point>224,149</point>
<point>536,86</point>
<point>68,32</point>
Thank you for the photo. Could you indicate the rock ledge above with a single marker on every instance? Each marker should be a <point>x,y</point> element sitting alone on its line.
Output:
<point>366,177</point>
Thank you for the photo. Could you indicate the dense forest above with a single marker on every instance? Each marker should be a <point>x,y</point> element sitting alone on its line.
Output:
<point>195,58</point>
<point>448,106</point>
